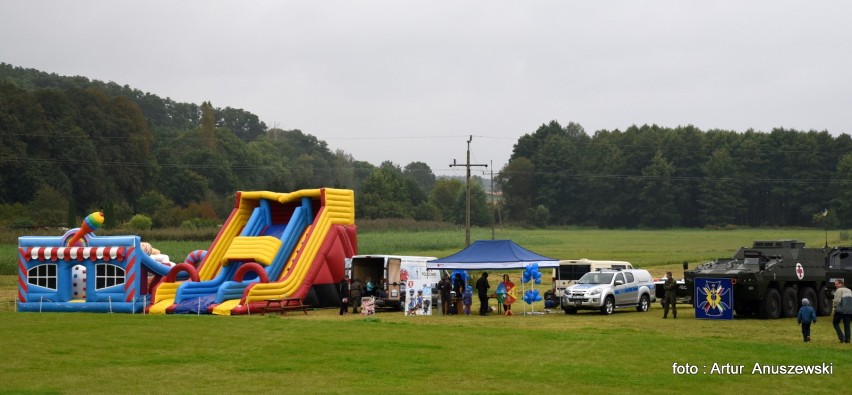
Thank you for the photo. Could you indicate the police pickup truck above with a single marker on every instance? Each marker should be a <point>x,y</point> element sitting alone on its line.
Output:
<point>608,289</point>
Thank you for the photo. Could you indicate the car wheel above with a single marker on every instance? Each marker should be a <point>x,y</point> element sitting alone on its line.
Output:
<point>644,304</point>
<point>608,306</point>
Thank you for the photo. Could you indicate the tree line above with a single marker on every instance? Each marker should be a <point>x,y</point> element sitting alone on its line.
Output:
<point>71,145</point>
<point>659,177</point>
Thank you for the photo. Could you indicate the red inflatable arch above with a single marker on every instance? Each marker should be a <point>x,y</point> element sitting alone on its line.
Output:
<point>251,267</point>
<point>182,267</point>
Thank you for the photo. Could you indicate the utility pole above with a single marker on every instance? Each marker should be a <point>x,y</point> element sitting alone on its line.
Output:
<point>467,196</point>
<point>493,200</point>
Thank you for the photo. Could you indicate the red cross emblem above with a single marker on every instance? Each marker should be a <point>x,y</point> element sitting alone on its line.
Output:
<point>800,271</point>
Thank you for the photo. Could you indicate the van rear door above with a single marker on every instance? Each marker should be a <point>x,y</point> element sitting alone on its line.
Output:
<point>393,290</point>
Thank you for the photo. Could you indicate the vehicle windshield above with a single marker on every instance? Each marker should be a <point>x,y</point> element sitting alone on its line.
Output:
<point>751,261</point>
<point>596,278</point>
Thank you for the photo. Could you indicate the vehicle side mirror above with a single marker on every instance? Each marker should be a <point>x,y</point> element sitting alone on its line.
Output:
<point>619,282</point>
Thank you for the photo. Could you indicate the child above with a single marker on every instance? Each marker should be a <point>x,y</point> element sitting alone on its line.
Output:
<point>467,299</point>
<point>806,317</point>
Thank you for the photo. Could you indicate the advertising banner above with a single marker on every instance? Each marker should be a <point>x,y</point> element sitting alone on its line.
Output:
<point>418,301</point>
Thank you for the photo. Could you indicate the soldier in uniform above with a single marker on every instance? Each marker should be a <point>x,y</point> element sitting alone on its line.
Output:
<point>670,298</point>
<point>355,291</point>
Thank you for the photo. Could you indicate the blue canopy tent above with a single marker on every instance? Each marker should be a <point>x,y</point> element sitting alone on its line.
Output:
<point>491,255</point>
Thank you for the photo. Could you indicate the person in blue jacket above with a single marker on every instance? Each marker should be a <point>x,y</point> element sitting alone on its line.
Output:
<point>806,317</point>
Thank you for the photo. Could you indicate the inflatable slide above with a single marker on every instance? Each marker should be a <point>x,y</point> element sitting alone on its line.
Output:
<point>273,246</point>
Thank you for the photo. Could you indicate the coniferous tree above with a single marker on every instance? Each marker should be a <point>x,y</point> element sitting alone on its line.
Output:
<point>656,197</point>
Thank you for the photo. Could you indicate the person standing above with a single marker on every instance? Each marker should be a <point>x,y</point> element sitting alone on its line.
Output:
<point>508,296</point>
<point>343,291</point>
<point>369,287</point>
<point>806,317</point>
<point>842,310</point>
<point>467,299</point>
<point>482,290</point>
<point>444,289</point>
<point>670,297</point>
<point>458,284</point>
<point>355,291</point>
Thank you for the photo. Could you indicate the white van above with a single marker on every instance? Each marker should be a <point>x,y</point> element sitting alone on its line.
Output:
<point>570,270</point>
<point>392,275</point>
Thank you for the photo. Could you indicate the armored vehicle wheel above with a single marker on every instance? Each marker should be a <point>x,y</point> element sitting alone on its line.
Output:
<point>743,311</point>
<point>770,306</point>
<point>644,304</point>
<point>823,304</point>
<point>608,306</point>
<point>789,303</point>
<point>809,294</point>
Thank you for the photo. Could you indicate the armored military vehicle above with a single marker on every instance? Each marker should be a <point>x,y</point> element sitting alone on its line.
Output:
<point>771,277</point>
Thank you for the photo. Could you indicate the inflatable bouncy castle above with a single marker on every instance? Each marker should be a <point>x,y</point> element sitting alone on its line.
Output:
<point>272,246</point>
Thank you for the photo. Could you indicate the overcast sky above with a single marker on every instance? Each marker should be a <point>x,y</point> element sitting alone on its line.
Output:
<point>410,80</point>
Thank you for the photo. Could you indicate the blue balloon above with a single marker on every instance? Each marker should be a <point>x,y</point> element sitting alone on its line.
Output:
<point>531,273</point>
<point>465,277</point>
<point>531,296</point>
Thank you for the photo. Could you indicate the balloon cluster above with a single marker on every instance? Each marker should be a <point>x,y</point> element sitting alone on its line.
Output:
<point>531,296</point>
<point>531,273</point>
<point>463,273</point>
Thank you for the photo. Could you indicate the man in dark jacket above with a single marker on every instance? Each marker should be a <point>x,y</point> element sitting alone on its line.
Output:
<point>343,291</point>
<point>444,288</point>
<point>458,284</point>
<point>482,289</point>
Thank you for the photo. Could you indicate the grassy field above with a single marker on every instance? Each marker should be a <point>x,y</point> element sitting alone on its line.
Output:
<point>323,352</point>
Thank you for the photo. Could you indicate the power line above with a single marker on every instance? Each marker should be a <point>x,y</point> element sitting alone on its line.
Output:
<point>111,164</point>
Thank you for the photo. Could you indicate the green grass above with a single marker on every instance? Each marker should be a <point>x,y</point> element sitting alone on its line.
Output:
<point>327,353</point>
<point>322,352</point>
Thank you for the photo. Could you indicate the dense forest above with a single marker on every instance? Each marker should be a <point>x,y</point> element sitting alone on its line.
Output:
<point>658,177</point>
<point>70,146</point>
